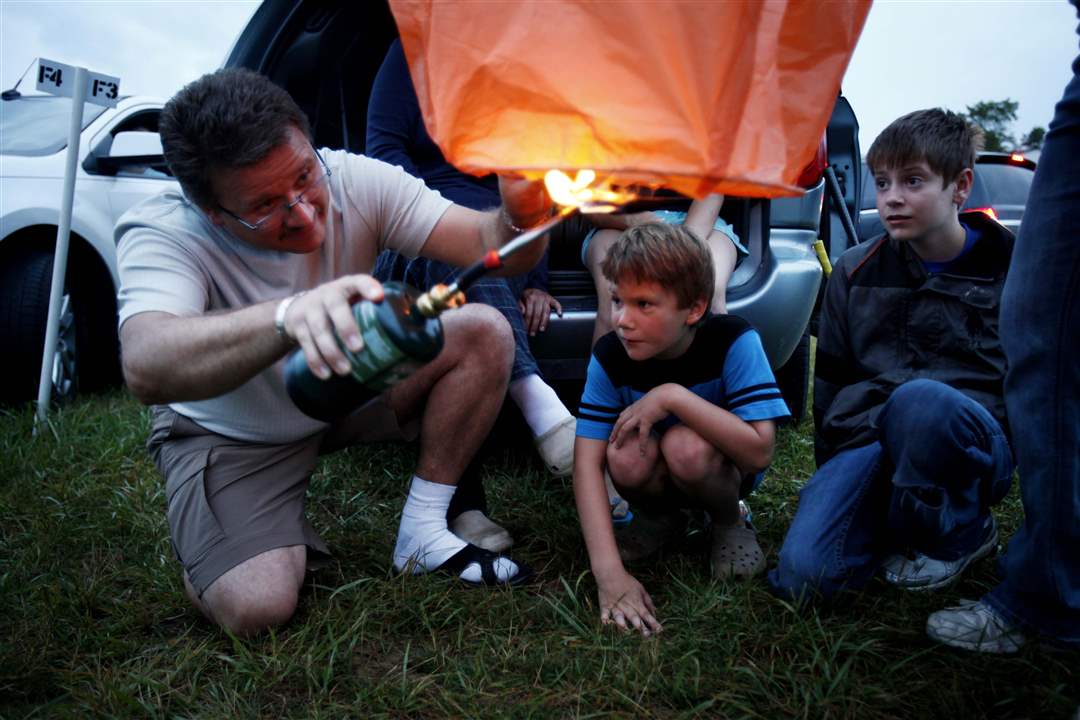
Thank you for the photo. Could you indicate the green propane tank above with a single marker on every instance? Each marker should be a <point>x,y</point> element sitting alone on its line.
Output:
<point>398,339</point>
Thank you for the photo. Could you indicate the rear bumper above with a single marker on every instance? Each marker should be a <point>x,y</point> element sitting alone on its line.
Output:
<point>779,307</point>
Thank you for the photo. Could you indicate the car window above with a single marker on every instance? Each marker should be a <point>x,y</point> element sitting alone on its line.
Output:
<point>1006,184</point>
<point>38,125</point>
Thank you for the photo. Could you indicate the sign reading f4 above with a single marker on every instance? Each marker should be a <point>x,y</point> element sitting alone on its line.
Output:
<point>57,78</point>
<point>81,86</point>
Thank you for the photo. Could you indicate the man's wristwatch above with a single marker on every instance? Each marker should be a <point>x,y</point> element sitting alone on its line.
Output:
<point>279,316</point>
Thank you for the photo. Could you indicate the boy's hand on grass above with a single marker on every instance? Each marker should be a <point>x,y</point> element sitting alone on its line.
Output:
<point>638,419</point>
<point>624,601</point>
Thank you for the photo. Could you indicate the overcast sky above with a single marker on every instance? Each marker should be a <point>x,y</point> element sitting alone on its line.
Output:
<point>153,46</point>
<point>912,53</point>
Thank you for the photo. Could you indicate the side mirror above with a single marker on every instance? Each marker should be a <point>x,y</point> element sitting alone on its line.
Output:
<point>130,149</point>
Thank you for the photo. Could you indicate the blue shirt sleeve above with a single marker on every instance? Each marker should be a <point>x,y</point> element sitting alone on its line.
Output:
<point>393,113</point>
<point>396,134</point>
<point>751,389</point>
<point>600,404</point>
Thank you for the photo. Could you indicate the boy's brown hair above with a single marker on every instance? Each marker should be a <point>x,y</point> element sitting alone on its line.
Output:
<point>669,255</point>
<point>945,140</point>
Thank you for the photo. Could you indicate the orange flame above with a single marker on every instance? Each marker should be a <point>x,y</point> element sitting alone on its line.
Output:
<point>582,193</point>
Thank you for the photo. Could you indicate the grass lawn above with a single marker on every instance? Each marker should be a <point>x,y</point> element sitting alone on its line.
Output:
<point>93,622</point>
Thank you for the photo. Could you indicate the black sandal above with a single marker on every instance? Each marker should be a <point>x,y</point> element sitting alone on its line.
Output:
<point>456,564</point>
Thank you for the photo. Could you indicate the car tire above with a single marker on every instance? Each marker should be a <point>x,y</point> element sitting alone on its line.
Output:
<point>94,298</point>
<point>793,378</point>
<point>87,355</point>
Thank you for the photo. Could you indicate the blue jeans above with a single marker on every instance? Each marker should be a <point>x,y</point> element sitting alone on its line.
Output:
<point>940,461</point>
<point>1040,332</point>
<point>501,293</point>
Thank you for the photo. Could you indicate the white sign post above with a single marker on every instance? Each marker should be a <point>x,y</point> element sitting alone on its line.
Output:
<point>81,86</point>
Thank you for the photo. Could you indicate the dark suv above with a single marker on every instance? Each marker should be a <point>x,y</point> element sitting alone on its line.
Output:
<point>326,55</point>
<point>1000,189</point>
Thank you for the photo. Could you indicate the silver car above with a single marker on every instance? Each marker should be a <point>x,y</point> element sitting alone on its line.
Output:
<point>119,164</point>
<point>326,55</point>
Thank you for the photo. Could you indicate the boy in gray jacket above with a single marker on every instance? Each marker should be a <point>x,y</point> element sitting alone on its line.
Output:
<point>911,435</point>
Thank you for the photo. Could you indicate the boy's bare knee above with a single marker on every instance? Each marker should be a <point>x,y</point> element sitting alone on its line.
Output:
<point>689,457</point>
<point>629,469</point>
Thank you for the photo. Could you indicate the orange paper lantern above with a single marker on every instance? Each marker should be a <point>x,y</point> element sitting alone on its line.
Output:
<point>727,96</point>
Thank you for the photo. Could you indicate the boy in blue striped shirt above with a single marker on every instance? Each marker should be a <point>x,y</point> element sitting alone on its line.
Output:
<point>680,411</point>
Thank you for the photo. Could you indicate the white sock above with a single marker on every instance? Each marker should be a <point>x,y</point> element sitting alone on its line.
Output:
<point>538,402</point>
<point>422,534</point>
<point>425,541</point>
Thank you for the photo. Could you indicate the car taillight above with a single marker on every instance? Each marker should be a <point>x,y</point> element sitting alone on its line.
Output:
<point>1016,157</point>
<point>812,173</point>
<point>988,211</point>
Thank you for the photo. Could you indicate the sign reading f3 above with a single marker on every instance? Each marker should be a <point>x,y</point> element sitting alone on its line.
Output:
<point>56,78</point>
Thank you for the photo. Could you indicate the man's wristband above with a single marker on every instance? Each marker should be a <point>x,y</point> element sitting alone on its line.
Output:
<point>510,222</point>
<point>279,316</point>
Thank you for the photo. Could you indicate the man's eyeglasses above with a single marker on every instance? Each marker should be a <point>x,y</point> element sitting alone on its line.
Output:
<point>320,176</point>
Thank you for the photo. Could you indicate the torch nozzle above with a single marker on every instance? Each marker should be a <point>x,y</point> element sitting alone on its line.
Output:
<point>446,297</point>
<point>438,299</point>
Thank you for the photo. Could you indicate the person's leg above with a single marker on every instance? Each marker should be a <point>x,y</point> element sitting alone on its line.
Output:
<point>258,594</point>
<point>952,463</point>
<point>836,538</point>
<point>1040,331</point>
<point>702,214</point>
<point>711,481</point>
<point>703,474</point>
<point>700,218</point>
<point>594,257</point>
<point>638,473</point>
<point>457,396</point>
<point>643,478</point>
<point>540,406</point>
<point>467,513</point>
<point>550,422</point>
<point>724,258</point>
<point>236,519</point>
<point>459,393</point>
<point>496,292</point>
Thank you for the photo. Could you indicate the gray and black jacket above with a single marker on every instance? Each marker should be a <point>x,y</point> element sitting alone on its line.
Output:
<point>885,321</point>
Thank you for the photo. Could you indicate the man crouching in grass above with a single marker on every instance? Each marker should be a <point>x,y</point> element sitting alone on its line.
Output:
<point>265,250</point>
<point>678,409</point>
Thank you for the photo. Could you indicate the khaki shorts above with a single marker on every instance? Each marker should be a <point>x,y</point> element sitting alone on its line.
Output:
<point>230,500</point>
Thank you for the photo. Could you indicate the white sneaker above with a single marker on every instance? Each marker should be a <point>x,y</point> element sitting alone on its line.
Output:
<point>920,572</point>
<point>973,625</point>
<point>477,528</point>
<point>556,447</point>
